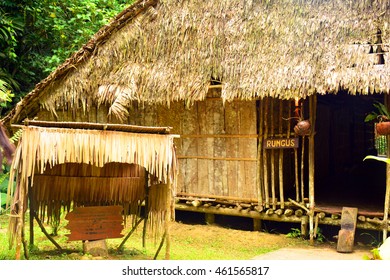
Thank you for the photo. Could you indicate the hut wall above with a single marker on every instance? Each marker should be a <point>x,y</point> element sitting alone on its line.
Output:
<point>217,149</point>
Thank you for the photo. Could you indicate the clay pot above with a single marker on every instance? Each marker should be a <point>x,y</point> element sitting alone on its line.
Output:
<point>383,128</point>
<point>302,128</point>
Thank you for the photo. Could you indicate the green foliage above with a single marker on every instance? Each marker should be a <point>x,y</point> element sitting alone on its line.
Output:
<point>37,36</point>
<point>384,159</point>
<point>294,233</point>
<point>381,113</point>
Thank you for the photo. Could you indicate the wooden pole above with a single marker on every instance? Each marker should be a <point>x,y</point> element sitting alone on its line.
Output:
<point>313,112</point>
<point>146,212</point>
<point>20,221</point>
<point>303,169</point>
<point>281,186</point>
<point>168,221</point>
<point>387,194</point>
<point>120,247</point>
<point>265,159</point>
<point>46,233</point>
<point>273,177</point>
<point>260,175</point>
<point>32,214</point>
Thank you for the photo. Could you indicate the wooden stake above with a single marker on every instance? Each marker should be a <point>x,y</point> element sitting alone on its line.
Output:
<point>160,246</point>
<point>146,215</point>
<point>120,247</point>
<point>313,112</point>
<point>260,150</point>
<point>46,233</point>
<point>273,177</point>
<point>303,169</point>
<point>168,220</point>
<point>387,194</point>
<point>296,175</point>
<point>281,186</point>
<point>265,158</point>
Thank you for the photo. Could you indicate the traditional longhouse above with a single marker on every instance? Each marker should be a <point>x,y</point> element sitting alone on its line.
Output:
<point>233,78</point>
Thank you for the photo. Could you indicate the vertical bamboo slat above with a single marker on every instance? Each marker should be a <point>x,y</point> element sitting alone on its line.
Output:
<point>281,185</point>
<point>313,112</point>
<point>260,151</point>
<point>273,177</point>
<point>303,169</point>
<point>387,193</point>
<point>265,158</point>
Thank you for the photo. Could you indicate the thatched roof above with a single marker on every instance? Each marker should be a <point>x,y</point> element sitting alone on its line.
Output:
<point>167,50</point>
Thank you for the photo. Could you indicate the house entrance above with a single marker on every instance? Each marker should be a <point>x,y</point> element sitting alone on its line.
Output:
<point>343,139</point>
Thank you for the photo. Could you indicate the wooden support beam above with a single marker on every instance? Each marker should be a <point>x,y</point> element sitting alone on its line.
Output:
<point>210,218</point>
<point>257,225</point>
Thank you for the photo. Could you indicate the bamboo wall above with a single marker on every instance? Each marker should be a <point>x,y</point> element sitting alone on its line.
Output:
<point>217,148</point>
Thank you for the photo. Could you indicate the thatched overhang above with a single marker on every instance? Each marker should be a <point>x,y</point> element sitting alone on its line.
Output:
<point>162,51</point>
<point>89,166</point>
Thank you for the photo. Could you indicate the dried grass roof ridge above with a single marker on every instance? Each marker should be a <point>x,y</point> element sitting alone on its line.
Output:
<point>167,50</point>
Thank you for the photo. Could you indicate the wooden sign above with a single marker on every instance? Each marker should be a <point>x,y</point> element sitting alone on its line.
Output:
<point>281,143</point>
<point>94,223</point>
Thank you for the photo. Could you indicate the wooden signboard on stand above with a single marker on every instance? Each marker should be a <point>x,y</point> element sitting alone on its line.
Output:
<point>95,223</point>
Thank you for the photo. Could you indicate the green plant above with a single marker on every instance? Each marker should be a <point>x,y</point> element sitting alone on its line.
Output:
<point>381,114</point>
<point>294,233</point>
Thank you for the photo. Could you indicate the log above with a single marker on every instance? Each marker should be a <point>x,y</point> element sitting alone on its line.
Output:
<point>361,218</point>
<point>288,212</point>
<point>196,203</point>
<point>269,211</point>
<point>321,215</point>
<point>279,212</point>
<point>335,216</point>
<point>299,213</point>
<point>263,216</point>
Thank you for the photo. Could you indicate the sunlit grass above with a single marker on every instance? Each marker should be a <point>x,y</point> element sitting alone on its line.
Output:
<point>188,242</point>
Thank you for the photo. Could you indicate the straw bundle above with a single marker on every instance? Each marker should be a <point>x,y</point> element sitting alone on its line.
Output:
<point>88,167</point>
<point>162,51</point>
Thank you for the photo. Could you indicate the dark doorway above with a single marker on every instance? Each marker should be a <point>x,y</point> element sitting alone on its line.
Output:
<point>343,139</point>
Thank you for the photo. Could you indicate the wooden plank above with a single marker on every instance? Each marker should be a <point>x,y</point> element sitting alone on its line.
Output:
<point>188,168</point>
<point>347,232</point>
<point>204,149</point>
<point>219,145</point>
<point>248,148</point>
<point>94,223</point>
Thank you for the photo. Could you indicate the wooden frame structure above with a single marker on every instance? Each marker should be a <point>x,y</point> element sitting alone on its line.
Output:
<point>82,165</point>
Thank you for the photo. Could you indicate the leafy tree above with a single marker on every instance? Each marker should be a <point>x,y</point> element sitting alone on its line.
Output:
<point>38,35</point>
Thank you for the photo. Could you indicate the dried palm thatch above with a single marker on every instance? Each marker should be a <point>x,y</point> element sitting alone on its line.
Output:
<point>88,167</point>
<point>162,51</point>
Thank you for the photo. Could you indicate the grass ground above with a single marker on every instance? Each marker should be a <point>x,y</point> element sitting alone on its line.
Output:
<point>188,242</point>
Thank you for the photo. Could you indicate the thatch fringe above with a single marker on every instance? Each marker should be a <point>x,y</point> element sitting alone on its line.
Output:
<point>66,167</point>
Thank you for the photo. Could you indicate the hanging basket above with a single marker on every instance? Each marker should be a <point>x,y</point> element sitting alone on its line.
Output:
<point>383,128</point>
<point>302,128</point>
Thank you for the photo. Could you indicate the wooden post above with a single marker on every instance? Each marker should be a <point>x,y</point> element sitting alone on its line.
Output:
<point>273,177</point>
<point>304,222</point>
<point>32,214</point>
<point>20,221</point>
<point>257,225</point>
<point>146,212</point>
<point>210,218</point>
<point>281,187</point>
<point>313,112</point>
<point>168,221</point>
<point>387,194</point>
<point>260,150</point>
<point>265,158</point>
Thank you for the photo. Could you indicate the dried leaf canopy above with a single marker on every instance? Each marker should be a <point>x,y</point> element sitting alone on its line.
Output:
<point>172,49</point>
